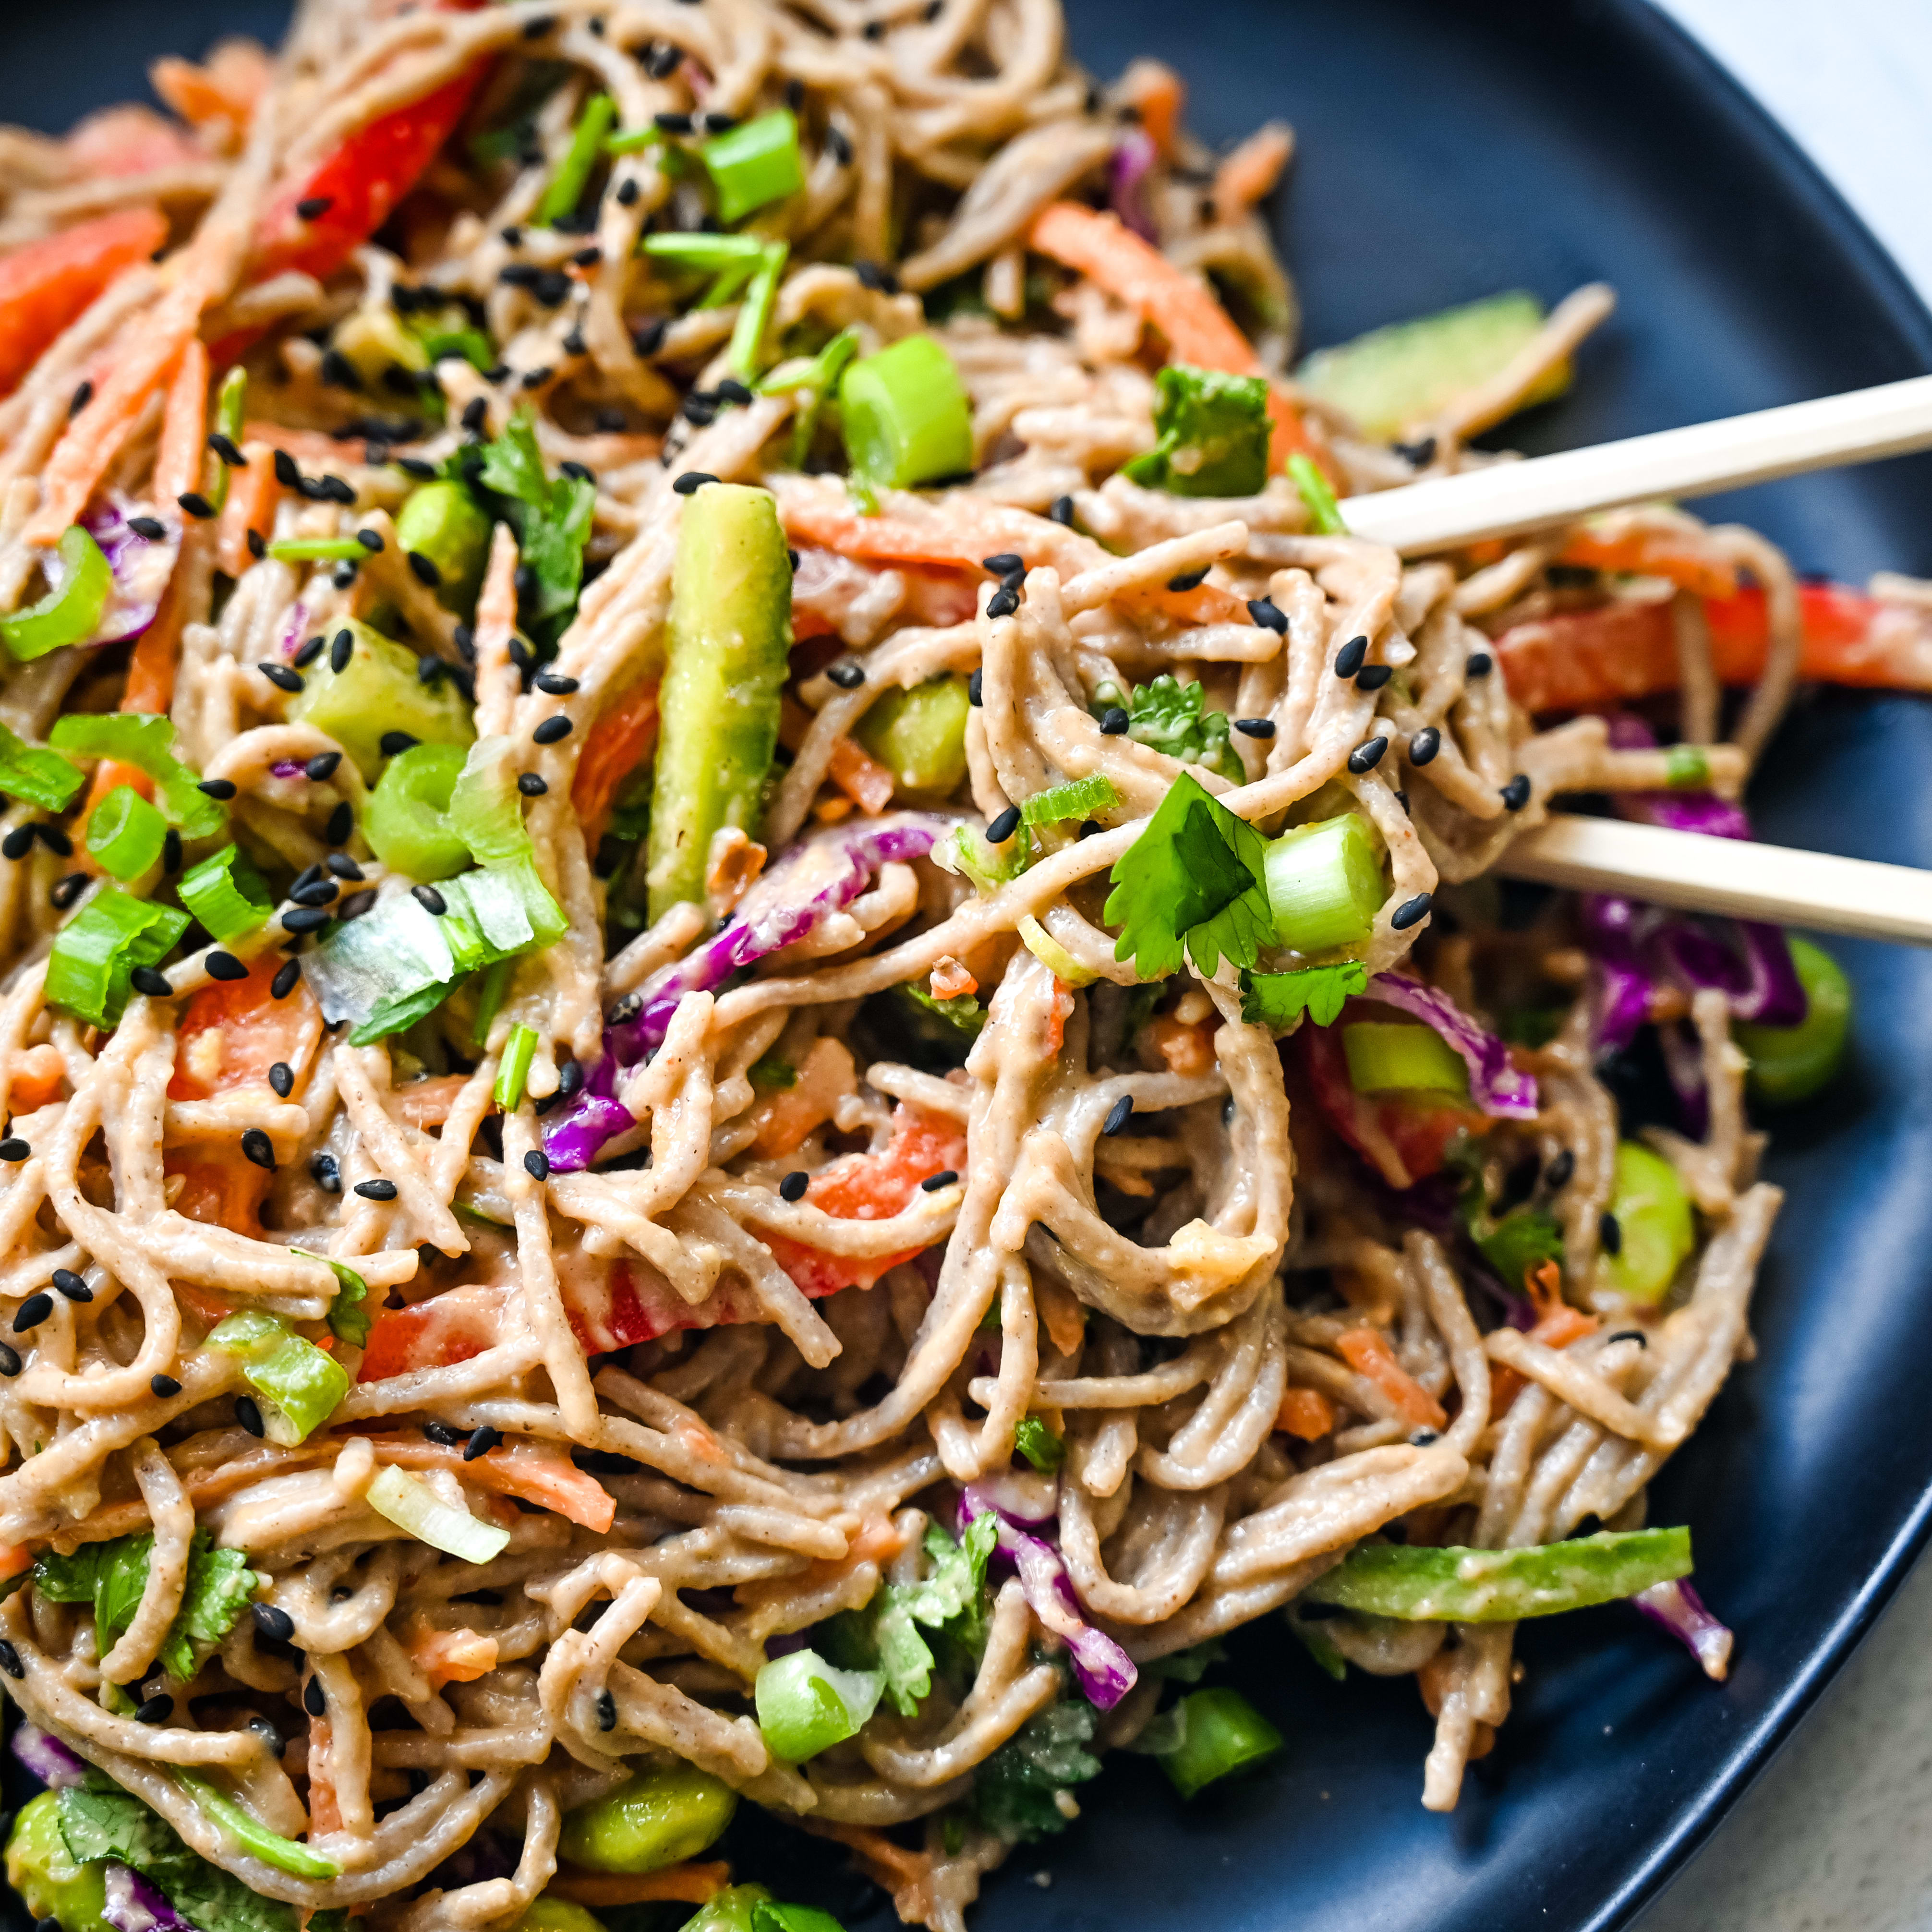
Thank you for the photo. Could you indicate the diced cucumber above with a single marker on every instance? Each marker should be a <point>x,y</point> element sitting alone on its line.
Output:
<point>920,735</point>
<point>44,1874</point>
<point>443,522</point>
<point>379,691</point>
<point>1394,378</point>
<point>729,637</point>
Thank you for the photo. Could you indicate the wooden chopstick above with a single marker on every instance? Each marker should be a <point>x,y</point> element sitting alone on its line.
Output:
<point>1506,499</point>
<point>1736,877</point>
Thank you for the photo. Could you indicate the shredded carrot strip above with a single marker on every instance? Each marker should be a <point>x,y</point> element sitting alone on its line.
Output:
<point>876,1851</point>
<point>324,1813</point>
<point>1159,96</point>
<point>183,425</point>
<point>1306,1414</point>
<point>1654,554</point>
<point>689,1884</point>
<point>1366,1351</point>
<point>1560,1325</point>
<point>252,494</point>
<point>853,770</point>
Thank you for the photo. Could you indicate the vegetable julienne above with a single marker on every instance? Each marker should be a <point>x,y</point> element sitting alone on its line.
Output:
<point>689,891</point>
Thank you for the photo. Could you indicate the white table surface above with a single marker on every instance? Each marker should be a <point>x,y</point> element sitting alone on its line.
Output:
<point>1836,1835</point>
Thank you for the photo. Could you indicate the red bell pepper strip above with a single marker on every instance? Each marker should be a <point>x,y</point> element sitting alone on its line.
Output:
<point>47,286</point>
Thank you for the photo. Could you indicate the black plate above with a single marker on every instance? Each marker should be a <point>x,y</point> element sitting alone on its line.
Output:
<point>1446,152</point>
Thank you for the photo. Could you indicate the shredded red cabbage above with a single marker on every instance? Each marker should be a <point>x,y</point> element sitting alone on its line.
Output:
<point>1105,1672</point>
<point>819,875</point>
<point>56,1765</point>
<point>1133,159</point>
<point>140,566</point>
<point>1497,1087</point>
<point>132,1904</point>
<point>1679,1608</point>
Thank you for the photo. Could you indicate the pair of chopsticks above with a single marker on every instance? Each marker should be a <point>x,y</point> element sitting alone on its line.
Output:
<point>1686,870</point>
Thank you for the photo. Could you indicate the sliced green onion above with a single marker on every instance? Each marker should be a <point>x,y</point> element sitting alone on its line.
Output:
<point>1038,1444</point>
<point>1686,768</point>
<point>1320,1646</point>
<point>1398,1056</point>
<point>400,1011</point>
<point>1325,883</point>
<point>472,345</point>
<point>298,1385</point>
<point>705,253</point>
<point>146,742</point>
<point>1050,954</point>
<point>69,615</point>
<point>348,1317</point>
<point>1322,509</point>
<point>754,164</point>
<point>907,419</point>
<point>633,140</point>
<point>254,1836</point>
<point>1655,1234</point>
<point>805,1705</point>
<point>1788,1064</point>
<point>497,911</point>
<point>518,1052</point>
<point>231,410</point>
<point>486,810</point>
<point>317,550</point>
<point>490,992</point>
<point>125,833</point>
<point>1500,1586</point>
<point>1221,1733</point>
<point>1077,798</point>
<point>90,968</point>
<point>813,380</point>
<point>729,284</point>
<point>407,820</point>
<point>413,1506</point>
<point>754,317</point>
<point>41,777</point>
<point>226,894</point>
<point>566,186</point>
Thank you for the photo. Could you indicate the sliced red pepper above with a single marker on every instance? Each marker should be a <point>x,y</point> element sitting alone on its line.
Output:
<point>49,285</point>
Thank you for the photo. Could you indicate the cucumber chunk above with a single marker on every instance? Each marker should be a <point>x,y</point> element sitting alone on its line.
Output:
<point>730,636</point>
<point>40,1869</point>
<point>1397,378</point>
<point>445,523</point>
<point>920,735</point>
<point>379,691</point>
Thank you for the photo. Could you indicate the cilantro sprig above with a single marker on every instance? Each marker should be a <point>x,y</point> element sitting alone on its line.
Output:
<point>551,516</point>
<point>1277,999</point>
<point>1192,884</point>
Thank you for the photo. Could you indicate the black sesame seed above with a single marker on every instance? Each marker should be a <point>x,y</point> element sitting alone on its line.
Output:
<point>224,966</point>
<point>378,1189</point>
<point>1006,563</point>
<point>64,892</point>
<point>730,390</point>
<point>315,1701</point>
<point>10,1360</point>
<point>286,474</point>
<point>1635,1335</point>
<point>945,1178</point>
<point>196,504</point>
<point>338,372</point>
<point>156,985</point>
<point>839,146</point>
<point>1350,659</point>
<point>224,448</point>
<point>281,677</point>
<point>1424,746</point>
<point>18,843</point>
<point>415,465</point>
<point>555,683</point>
<point>1556,1176</point>
<point>321,766</point>
<point>976,689</point>
<point>304,918</point>
<point>1516,793</point>
<point>1479,664</point>
<point>314,892</point>
<point>535,379</point>
<point>248,1413</point>
<point>326,1172</point>
<point>793,1186</point>
<point>1422,1438</point>
<point>482,1440</point>
<point>1118,1114</point>
<point>9,1662</point>
<point>1113,721</point>
<point>308,653</point>
<point>219,788</point>
<point>691,481</point>
<point>341,650</point>
<point>157,1710</point>
<point>276,1625</point>
<point>282,1078</point>
<point>1610,1233</point>
<point>165,1386</point>
<point>1004,601</point>
<point>257,1147</point>
<point>284,983</point>
<point>1004,827</point>
<point>532,785</point>
<point>152,528</point>
<point>534,29</point>
<point>313,207</point>
<point>370,540</point>
<point>475,413</point>
<point>872,276</point>
<point>430,899</point>
<point>1060,510</point>
<point>79,400</point>
<point>1190,579</point>
<point>1406,914</point>
<point>423,569</point>
<point>14,1148</point>
<point>394,744</point>
<point>1420,454</point>
<point>1373,677</point>
<point>1268,614</point>
<point>1365,757</point>
<point>72,1285</point>
<point>627,192</point>
<point>536,1164</point>
<point>1255,727</point>
<point>341,823</point>
<point>552,288</point>
<point>648,337</point>
<point>171,852</point>
<point>552,730</point>
<point>55,840</point>
<point>848,677</point>
<point>607,1712</point>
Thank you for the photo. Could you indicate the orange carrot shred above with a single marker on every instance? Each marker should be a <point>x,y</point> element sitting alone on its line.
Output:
<point>1307,1413</point>
<point>689,1884</point>
<point>1366,1351</point>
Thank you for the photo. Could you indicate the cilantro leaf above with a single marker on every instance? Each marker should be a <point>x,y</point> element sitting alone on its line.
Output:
<point>963,1015</point>
<point>1013,1790</point>
<point>99,1820</point>
<point>1077,798</point>
<point>1191,880</point>
<point>1038,1444</point>
<point>951,1600</point>
<point>112,1577</point>
<point>1168,716</point>
<point>348,1317</point>
<point>1213,434</point>
<point>1277,999</point>
<point>220,1587</point>
<point>552,519</point>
